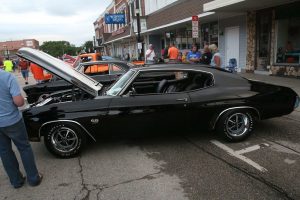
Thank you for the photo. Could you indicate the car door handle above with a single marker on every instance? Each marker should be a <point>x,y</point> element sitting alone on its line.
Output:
<point>184,99</point>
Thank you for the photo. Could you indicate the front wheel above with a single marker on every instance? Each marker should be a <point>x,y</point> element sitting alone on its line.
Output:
<point>236,125</point>
<point>64,140</point>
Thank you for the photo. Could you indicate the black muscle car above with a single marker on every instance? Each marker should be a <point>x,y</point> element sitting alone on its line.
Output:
<point>160,98</point>
<point>115,69</point>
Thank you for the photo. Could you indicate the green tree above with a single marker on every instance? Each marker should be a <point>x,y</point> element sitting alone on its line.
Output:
<point>58,48</point>
<point>88,46</point>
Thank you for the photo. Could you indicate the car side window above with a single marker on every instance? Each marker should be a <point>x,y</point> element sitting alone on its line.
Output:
<point>170,82</point>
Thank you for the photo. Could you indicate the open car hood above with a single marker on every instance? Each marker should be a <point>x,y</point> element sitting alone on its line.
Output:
<point>61,69</point>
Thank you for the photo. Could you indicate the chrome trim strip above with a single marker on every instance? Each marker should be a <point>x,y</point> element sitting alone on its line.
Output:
<point>240,107</point>
<point>67,121</point>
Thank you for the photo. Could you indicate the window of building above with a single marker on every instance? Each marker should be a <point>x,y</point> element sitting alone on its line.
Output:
<point>183,39</point>
<point>287,32</point>
<point>209,33</point>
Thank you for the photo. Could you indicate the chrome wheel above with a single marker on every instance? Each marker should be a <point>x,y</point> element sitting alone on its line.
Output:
<point>237,124</point>
<point>64,139</point>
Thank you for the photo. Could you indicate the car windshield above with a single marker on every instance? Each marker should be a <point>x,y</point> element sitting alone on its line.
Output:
<point>117,87</point>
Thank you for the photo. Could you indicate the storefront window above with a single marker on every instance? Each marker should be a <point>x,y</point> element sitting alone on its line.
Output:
<point>288,40</point>
<point>287,32</point>
<point>209,34</point>
<point>183,39</point>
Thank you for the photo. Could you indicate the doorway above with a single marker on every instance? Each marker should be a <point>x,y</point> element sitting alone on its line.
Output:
<point>232,45</point>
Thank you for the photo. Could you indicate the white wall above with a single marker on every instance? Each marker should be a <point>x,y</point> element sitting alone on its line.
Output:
<point>239,21</point>
<point>154,5</point>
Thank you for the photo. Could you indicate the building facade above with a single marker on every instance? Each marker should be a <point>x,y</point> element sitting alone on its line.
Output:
<point>262,35</point>
<point>272,27</point>
<point>10,48</point>
<point>119,40</point>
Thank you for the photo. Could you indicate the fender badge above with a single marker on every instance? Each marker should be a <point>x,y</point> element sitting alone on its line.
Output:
<point>94,121</point>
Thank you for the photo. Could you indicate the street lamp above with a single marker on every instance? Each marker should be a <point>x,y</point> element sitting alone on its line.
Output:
<point>6,52</point>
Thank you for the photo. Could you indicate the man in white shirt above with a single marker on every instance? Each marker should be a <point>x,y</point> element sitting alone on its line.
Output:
<point>150,55</point>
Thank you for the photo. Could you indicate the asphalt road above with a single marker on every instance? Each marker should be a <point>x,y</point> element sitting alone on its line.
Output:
<point>187,166</point>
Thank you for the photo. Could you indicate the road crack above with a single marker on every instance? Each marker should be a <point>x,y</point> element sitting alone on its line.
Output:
<point>86,189</point>
<point>149,177</point>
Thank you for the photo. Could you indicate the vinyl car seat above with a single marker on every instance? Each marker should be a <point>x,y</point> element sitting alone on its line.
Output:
<point>161,86</point>
<point>196,84</point>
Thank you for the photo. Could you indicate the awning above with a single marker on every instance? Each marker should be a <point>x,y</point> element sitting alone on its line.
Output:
<point>242,5</point>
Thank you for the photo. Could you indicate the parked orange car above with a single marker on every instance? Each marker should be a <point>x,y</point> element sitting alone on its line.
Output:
<point>94,69</point>
<point>138,62</point>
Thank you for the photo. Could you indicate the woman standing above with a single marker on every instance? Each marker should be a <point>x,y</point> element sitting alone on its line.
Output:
<point>216,59</point>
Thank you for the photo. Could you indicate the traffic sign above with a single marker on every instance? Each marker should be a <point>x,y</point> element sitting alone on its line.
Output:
<point>195,26</point>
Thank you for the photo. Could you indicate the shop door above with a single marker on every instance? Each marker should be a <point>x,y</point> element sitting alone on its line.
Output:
<point>232,45</point>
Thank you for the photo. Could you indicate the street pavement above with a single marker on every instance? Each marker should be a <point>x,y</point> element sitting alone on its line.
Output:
<point>192,166</point>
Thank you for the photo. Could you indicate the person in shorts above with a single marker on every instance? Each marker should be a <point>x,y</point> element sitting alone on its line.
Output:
<point>24,68</point>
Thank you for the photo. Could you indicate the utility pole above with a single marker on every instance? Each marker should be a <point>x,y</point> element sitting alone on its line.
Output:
<point>138,21</point>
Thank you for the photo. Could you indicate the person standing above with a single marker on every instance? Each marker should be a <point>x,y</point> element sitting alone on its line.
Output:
<point>194,55</point>
<point>216,59</point>
<point>8,65</point>
<point>165,54</point>
<point>150,55</point>
<point>24,68</point>
<point>173,53</point>
<point>206,56</point>
<point>12,129</point>
<point>38,73</point>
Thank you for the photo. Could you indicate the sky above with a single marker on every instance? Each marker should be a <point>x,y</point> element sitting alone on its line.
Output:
<point>50,20</point>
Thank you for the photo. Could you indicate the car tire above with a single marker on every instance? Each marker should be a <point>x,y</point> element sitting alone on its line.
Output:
<point>64,140</point>
<point>236,125</point>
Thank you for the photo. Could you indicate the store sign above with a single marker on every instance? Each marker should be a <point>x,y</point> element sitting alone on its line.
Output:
<point>195,27</point>
<point>143,24</point>
<point>139,45</point>
<point>115,18</point>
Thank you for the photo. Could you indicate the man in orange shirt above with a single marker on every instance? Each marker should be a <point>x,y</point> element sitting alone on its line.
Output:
<point>173,53</point>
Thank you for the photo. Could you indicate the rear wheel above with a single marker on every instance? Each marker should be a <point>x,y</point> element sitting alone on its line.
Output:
<point>64,140</point>
<point>236,125</point>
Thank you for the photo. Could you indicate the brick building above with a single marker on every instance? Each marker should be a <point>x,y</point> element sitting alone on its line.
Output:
<point>9,48</point>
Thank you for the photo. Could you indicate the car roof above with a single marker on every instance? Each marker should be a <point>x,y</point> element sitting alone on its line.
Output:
<point>221,76</point>
<point>125,65</point>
